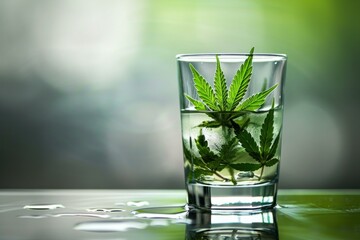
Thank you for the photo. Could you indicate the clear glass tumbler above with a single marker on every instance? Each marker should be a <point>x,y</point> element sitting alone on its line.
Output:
<point>231,116</point>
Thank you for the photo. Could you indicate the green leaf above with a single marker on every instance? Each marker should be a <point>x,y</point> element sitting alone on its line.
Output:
<point>221,92</point>
<point>216,165</point>
<point>204,90</point>
<point>197,104</point>
<point>246,167</point>
<point>266,134</point>
<point>248,142</point>
<point>206,154</point>
<point>273,148</point>
<point>228,151</point>
<point>198,172</point>
<point>255,101</point>
<point>271,162</point>
<point>193,159</point>
<point>240,83</point>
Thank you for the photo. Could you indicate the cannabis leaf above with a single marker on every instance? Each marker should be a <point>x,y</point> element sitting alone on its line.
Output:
<point>221,92</point>
<point>206,154</point>
<point>205,91</point>
<point>255,101</point>
<point>210,163</point>
<point>240,82</point>
<point>263,154</point>
<point>197,104</point>
<point>246,167</point>
<point>223,99</point>
<point>266,136</point>
<point>249,143</point>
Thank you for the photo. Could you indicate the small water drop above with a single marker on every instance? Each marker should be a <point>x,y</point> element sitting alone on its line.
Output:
<point>172,212</point>
<point>43,206</point>
<point>34,216</point>
<point>137,203</point>
<point>79,215</point>
<point>112,210</point>
<point>110,226</point>
<point>65,215</point>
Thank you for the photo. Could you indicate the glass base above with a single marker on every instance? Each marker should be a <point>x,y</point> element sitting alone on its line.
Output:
<point>247,197</point>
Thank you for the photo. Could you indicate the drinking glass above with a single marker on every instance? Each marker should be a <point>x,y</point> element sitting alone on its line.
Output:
<point>231,117</point>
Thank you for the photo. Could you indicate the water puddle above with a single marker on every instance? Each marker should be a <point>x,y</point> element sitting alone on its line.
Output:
<point>111,226</point>
<point>109,210</point>
<point>171,212</point>
<point>34,216</point>
<point>137,203</point>
<point>159,223</point>
<point>65,215</point>
<point>43,206</point>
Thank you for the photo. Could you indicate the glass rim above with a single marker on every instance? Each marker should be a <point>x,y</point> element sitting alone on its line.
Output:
<point>210,57</point>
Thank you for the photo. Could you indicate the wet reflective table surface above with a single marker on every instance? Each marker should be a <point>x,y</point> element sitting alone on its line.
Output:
<point>161,214</point>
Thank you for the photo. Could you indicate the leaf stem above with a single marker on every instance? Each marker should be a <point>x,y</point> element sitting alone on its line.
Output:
<point>222,177</point>
<point>216,173</point>
<point>262,171</point>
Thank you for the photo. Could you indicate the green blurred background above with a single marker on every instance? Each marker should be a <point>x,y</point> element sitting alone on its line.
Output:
<point>89,98</point>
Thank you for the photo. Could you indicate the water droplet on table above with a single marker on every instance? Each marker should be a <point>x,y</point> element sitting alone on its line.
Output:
<point>111,210</point>
<point>43,206</point>
<point>33,216</point>
<point>137,203</point>
<point>159,223</point>
<point>80,215</point>
<point>110,226</point>
<point>171,212</point>
<point>65,215</point>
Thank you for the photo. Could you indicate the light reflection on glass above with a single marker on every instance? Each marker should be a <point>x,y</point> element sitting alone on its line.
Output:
<point>235,225</point>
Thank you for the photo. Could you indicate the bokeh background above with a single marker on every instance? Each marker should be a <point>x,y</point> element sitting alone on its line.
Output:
<point>89,94</point>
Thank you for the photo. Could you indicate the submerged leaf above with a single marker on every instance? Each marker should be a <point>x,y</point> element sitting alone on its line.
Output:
<point>229,150</point>
<point>266,136</point>
<point>199,172</point>
<point>271,162</point>
<point>206,154</point>
<point>273,148</point>
<point>248,142</point>
<point>246,167</point>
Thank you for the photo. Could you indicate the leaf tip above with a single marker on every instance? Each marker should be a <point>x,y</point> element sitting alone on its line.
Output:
<point>252,51</point>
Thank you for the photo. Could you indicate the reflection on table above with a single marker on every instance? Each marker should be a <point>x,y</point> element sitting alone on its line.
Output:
<point>162,214</point>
